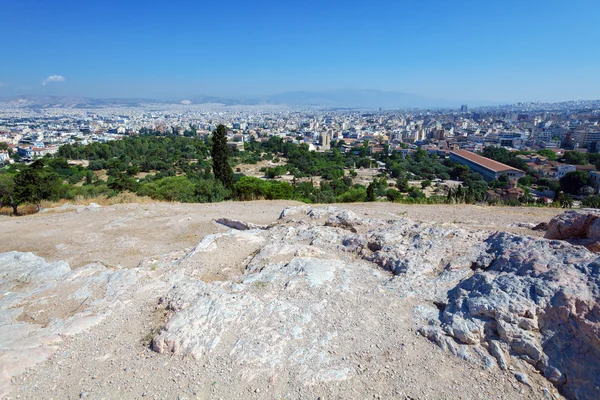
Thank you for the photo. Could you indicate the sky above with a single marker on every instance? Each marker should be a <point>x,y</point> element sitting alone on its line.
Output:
<point>484,50</point>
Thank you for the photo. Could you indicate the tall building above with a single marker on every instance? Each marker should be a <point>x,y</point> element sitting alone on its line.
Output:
<point>464,108</point>
<point>325,140</point>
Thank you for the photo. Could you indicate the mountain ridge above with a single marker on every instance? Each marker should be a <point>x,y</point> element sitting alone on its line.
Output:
<point>340,98</point>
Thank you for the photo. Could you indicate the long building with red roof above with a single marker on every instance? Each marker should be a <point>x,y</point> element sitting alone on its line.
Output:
<point>489,169</point>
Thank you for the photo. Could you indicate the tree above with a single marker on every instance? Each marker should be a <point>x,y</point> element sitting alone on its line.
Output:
<point>460,172</point>
<point>573,181</point>
<point>122,182</point>
<point>275,172</point>
<point>575,158</point>
<point>371,192</point>
<point>402,184</point>
<point>220,157</point>
<point>353,195</point>
<point>416,194</point>
<point>526,180</point>
<point>549,154</point>
<point>7,192</point>
<point>450,196</point>
<point>565,200</point>
<point>249,188</point>
<point>34,184</point>
<point>425,184</point>
<point>502,155</point>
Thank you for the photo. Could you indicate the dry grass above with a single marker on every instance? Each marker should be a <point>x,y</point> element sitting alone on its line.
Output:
<point>26,209</point>
<point>121,198</point>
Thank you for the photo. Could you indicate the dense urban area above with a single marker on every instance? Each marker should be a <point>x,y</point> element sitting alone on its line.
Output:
<point>522,154</point>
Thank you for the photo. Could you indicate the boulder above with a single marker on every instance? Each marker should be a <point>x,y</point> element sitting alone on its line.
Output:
<point>574,224</point>
<point>577,227</point>
<point>541,299</point>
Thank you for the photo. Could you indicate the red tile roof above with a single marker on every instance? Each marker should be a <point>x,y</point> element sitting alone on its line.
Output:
<point>484,161</point>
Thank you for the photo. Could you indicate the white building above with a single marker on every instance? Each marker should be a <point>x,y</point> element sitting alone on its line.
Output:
<point>4,157</point>
<point>562,170</point>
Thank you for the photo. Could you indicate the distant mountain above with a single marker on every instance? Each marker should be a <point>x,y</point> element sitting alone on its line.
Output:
<point>73,101</point>
<point>344,98</point>
<point>224,100</point>
<point>358,98</point>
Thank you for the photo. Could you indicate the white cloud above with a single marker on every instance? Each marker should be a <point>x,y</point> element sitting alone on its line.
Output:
<point>53,78</point>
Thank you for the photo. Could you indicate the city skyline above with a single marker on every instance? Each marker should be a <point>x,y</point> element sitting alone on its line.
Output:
<point>464,51</point>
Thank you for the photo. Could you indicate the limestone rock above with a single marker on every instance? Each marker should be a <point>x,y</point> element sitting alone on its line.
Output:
<point>44,301</point>
<point>577,227</point>
<point>574,224</point>
<point>239,225</point>
<point>541,299</point>
<point>318,292</point>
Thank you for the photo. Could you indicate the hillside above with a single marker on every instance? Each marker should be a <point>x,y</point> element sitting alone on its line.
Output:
<point>160,301</point>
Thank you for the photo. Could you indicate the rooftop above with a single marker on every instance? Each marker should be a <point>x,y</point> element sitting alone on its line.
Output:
<point>484,161</point>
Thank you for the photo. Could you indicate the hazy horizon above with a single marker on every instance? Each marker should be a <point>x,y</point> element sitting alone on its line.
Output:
<point>505,52</point>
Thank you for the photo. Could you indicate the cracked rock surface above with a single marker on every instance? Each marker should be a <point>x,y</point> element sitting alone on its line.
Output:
<point>323,302</point>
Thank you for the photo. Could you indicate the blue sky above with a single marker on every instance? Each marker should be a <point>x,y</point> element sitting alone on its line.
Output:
<point>527,50</point>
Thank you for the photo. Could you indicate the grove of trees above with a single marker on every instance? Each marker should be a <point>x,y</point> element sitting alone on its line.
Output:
<point>172,167</point>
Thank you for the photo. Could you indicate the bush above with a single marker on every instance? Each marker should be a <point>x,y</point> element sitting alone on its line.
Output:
<point>278,191</point>
<point>176,188</point>
<point>416,194</point>
<point>353,195</point>
<point>249,188</point>
<point>394,195</point>
<point>591,202</point>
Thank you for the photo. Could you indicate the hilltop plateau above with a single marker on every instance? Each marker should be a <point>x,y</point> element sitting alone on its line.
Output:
<point>276,299</point>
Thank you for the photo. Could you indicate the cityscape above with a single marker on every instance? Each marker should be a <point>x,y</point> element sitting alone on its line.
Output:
<point>300,200</point>
<point>538,135</point>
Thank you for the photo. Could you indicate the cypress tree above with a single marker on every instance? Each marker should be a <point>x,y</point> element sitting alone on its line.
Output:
<point>371,192</point>
<point>220,155</point>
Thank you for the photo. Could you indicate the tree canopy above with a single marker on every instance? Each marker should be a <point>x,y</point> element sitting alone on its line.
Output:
<point>220,157</point>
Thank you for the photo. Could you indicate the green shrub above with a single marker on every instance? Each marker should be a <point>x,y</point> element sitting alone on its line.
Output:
<point>353,195</point>
<point>394,195</point>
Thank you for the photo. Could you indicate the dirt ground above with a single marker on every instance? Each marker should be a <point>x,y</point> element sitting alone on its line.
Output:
<point>122,235</point>
<point>113,359</point>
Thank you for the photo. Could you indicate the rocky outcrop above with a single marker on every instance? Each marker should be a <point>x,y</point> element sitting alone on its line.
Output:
<point>536,300</point>
<point>577,227</point>
<point>239,225</point>
<point>43,302</point>
<point>323,292</point>
<point>500,300</point>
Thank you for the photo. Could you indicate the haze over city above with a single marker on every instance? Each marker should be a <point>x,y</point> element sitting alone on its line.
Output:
<point>461,51</point>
